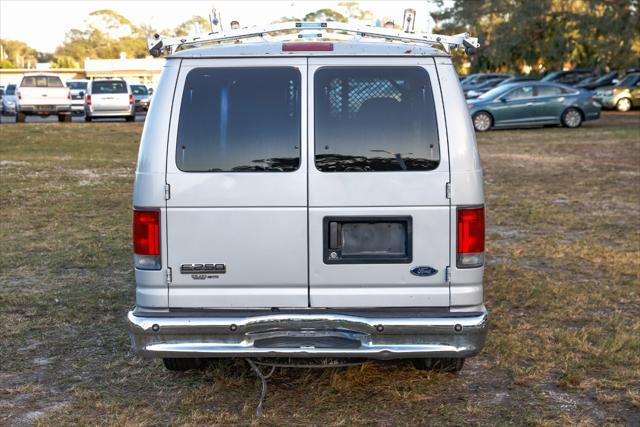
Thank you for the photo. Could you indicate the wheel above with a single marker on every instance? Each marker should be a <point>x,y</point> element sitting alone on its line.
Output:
<point>571,118</point>
<point>87,118</point>
<point>21,117</point>
<point>482,121</point>
<point>130,118</point>
<point>623,104</point>
<point>181,364</point>
<point>443,364</point>
<point>64,118</point>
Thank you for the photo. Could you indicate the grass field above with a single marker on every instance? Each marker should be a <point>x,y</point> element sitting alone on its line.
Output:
<point>562,283</point>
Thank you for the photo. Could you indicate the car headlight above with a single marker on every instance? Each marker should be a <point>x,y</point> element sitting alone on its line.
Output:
<point>473,93</point>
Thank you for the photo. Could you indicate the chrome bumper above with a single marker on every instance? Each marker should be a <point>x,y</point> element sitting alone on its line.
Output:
<point>309,335</point>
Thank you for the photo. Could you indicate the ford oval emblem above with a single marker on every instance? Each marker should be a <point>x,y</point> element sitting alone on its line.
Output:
<point>423,270</point>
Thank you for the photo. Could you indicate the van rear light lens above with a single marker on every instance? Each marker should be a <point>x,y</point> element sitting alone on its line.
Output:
<point>68,94</point>
<point>19,96</point>
<point>146,239</point>
<point>130,99</point>
<point>307,46</point>
<point>88,99</point>
<point>470,251</point>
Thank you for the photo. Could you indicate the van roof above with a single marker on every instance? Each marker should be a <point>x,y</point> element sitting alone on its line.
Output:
<point>340,48</point>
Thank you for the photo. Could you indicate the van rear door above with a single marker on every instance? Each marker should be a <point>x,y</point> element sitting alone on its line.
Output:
<point>379,216</point>
<point>109,95</point>
<point>237,174</point>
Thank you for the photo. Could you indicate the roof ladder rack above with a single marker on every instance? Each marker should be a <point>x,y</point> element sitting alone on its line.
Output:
<point>160,44</point>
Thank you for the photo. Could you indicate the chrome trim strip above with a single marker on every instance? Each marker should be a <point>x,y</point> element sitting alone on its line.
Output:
<point>380,338</point>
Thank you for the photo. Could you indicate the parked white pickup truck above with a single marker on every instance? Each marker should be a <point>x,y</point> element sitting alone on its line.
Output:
<point>43,95</point>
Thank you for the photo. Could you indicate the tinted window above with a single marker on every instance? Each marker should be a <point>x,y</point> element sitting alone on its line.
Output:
<point>549,91</point>
<point>41,81</point>
<point>375,119</point>
<point>629,80</point>
<point>521,92</point>
<point>240,120</point>
<point>11,90</point>
<point>139,90</point>
<point>108,86</point>
<point>77,85</point>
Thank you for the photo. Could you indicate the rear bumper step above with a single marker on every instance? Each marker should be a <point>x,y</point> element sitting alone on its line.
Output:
<point>308,335</point>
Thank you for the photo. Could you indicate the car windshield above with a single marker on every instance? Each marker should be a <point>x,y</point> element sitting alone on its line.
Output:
<point>629,80</point>
<point>552,75</point>
<point>77,85</point>
<point>11,90</point>
<point>139,90</point>
<point>495,92</point>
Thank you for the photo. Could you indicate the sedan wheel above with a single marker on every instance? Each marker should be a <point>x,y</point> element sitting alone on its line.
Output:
<point>482,121</point>
<point>624,104</point>
<point>572,118</point>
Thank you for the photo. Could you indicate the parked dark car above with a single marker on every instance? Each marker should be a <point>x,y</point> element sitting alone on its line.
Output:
<point>517,79</point>
<point>622,96</point>
<point>482,83</point>
<point>479,89</point>
<point>533,103</point>
<point>592,83</point>
<point>570,78</point>
<point>141,97</point>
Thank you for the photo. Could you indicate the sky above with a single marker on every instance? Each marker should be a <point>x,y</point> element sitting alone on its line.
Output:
<point>49,20</point>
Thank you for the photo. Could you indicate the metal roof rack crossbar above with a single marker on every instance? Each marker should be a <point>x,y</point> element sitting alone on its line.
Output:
<point>160,44</point>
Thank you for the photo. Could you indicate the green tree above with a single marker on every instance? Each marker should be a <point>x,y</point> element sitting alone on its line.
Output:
<point>189,26</point>
<point>18,54</point>
<point>542,35</point>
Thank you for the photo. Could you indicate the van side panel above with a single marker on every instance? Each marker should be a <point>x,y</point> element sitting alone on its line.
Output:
<point>466,181</point>
<point>151,286</point>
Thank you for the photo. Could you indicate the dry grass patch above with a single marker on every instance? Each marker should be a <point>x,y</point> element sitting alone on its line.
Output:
<point>562,283</point>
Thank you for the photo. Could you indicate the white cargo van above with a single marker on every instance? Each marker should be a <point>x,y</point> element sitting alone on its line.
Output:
<point>309,199</point>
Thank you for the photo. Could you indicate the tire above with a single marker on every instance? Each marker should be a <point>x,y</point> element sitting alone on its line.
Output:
<point>181,364</point>
<point>482,121</point>
<point>21,117</point>
<point>571,118</point>
<point>442,364</point>
<point>130,118</point>
<point>64,118</point>
<point>623,104</point>
<point>87,118</point>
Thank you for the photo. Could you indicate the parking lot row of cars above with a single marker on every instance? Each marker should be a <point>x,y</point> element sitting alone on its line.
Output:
<point>615,89</point>
<point>44,94</point>
<point>502,100</point>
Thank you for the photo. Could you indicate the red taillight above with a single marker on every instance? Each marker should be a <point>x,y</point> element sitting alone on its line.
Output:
<point>88,99</point>
<point>130,99</point>
<point>146,233</point>
<point>470,237</point>
<point>307,46</point>
<point>19,96</point>
<point>68,94</point>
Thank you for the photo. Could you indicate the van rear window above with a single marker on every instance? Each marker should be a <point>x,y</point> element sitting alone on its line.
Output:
<point>374,119</point>
<point>240,120</point>
<point>108,86</point>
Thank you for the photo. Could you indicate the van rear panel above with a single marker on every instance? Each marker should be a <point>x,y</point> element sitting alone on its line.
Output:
<point>328,190</point>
